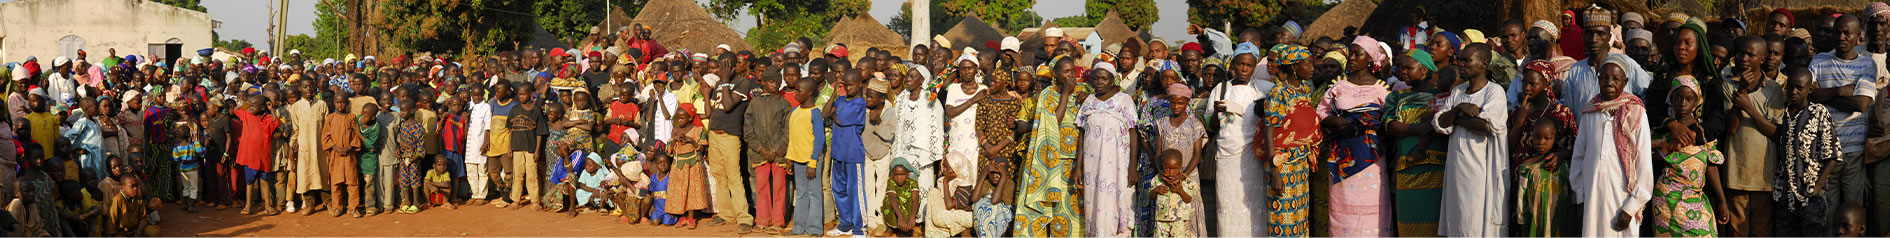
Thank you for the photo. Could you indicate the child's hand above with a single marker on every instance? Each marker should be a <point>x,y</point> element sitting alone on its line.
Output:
<point>1161,189</point>
<point>810,173</point>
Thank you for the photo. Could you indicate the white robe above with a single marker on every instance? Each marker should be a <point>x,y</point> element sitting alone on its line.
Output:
<point>1241,181</point>
<point>1476,173</point>
<point>1596,176</point>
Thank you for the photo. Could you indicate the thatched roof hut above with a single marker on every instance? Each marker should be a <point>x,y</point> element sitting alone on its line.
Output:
<point>683,24</point>
<point>864,32</point>
<point>973,32</point>
<point>1112,30</point>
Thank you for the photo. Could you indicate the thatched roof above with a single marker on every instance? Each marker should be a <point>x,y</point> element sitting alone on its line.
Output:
<point>973,32</point>
<point>683,24</point>
<point>1806,11</point>
<point>1112,30</point>
<point>864,32</point>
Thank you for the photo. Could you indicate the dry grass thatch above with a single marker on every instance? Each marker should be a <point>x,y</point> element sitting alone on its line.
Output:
<point>1805,11</point>
<point>864,32</point>
<point>1113,31</point>
<point>973,32</point>
<point>683,24</point>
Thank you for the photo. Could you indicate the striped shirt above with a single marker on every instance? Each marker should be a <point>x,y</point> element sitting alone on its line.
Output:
<point>1832,72</point>
<point>187,156</point>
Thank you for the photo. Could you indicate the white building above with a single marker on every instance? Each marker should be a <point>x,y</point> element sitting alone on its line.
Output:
<point>53,28</point>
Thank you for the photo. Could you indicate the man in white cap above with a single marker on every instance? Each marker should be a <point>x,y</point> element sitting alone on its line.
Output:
<point>1050,38</point>
<point>60,82</point>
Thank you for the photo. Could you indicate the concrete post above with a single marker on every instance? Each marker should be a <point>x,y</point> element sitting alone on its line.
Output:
<point>921,22</point>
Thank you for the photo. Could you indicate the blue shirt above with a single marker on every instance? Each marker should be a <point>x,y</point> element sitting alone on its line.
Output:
<point>849,124</point>
<point>186,156</point>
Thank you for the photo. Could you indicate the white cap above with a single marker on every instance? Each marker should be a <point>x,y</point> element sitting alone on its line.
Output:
<point>940,41</point>
<point>1053,32</point>
<point>724,47</point>
<point>1010,43</point>
<point>295,52</point>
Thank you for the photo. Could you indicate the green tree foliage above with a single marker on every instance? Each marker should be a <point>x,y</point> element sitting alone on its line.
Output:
<point>1010,15</point>
<point>1135,13</point>
<point>331,30</point>
<point>233,44</point>
<point>571,20</point>
<point>902,23</point>
<point>1261,14</point>
<point>786,20</point>
<point>470,26</point>
<point>194,5</point>
<point>314,48</point>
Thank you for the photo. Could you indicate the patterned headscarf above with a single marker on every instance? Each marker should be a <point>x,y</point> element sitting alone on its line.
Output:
<point>1339,55</point>
<point>1294,55</point>
<point>1703,60</point>
<point>1455,43</point>
<point>1292,29</point>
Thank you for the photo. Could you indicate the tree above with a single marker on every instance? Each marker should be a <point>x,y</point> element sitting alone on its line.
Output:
<point>1241,13</point>
<point>785,20</point>
<point>331,32</point>
<point>193,5</point>
<point>481,26</point>
<point>1010,15</point>
<point>571,20</point>
<point>1137,14</point>
<point>233,44</point>
<point>902,23</point>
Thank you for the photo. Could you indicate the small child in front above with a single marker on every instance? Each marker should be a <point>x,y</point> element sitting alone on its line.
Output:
<point>1174,194</point>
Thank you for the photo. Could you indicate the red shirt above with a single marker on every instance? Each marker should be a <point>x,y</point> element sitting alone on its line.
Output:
<point>453,132</point>
<point>256,140</point>
<point>624,111</point>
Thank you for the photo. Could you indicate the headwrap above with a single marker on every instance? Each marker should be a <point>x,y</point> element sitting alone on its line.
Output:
<point>1293,54</point>
<point>699,57</point>
<point>1338,55</point>
<point>1627,112</point>
<point>1105,66</point>
<point>968,55</point>
<point>1292,29</point>
<point>1455,43</point>
<point>1703,60</point>
<point>1597,16</point>
<point>1191,46</point>
<point>18,73</point>
<point>1542,68</point>
<point>1371,48</point>
<point>128,95</point>
<point>1422,57</point>
<point>791,47</point>
<point>1573,46</point>
<point>1548,26</point>
<point>1473,35</point>
<point>1180,90</point>
<point>1633,17</point>
<point>1878,9</point>
<point>1689,85</point>
<point>1732,22</point>
<point>1643,34</point>
<point>1248,48</point>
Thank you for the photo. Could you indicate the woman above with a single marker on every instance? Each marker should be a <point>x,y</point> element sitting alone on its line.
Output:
<point>961,106</point>
<point>1108,118</point>
<point>1418,153</point>
<point>997,133</point>
<point>1046,204</point>
<point>1291,138</point>
<point>1352,116</point>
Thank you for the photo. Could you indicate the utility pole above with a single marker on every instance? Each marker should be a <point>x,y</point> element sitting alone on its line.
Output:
<point>921,22</point>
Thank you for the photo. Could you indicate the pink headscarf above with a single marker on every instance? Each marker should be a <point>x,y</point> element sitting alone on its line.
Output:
<point>1180,90</point>
<point>1371,47</point>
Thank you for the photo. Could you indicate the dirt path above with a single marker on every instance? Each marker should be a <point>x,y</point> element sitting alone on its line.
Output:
<point>466,221</point>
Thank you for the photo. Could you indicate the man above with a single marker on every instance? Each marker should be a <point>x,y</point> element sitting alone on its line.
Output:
<point>1757,104</point>
<point>1611,173</point>
<point>725,143</point>
<point>1051,37</point>
<point>1847,82</point>
<point>1878,145</point>
<point>1411,37</point>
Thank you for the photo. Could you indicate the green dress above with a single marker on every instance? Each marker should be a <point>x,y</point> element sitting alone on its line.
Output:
<point>1047,204</point>
<point>1419,177</point>
<point>1680,205</point>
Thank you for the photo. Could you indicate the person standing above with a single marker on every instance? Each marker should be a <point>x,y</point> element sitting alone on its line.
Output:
<point>1476,170</point>
<point>1611,171</point>
<point>1046,199</point>
<point>1108,121</point>
<point>1847,84</point>
<point>730,100</point>
<point>306,116</point>
<point>1351,113</point>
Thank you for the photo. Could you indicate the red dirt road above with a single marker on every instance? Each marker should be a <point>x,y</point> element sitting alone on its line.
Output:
<point>471,221</point>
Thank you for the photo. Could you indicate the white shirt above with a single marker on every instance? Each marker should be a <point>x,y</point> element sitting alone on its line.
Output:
<point>1241,120</point>
<point>921,137</point>
<point>476,126</point>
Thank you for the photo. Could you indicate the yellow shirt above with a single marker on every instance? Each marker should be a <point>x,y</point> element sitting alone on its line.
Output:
<point>801,137</point>
<point>45,129</point>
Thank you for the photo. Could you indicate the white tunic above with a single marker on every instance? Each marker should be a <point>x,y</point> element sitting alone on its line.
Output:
<point>1476,173</point>
<point>962,136</point>
<point>1596,176</point>
<point>477,124</point>
<point>1239,173</point>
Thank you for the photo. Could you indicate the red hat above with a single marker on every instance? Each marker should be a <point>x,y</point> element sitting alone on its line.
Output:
<point>81,53</point>
<point>838,50</point>
<point>1789,19</point>
<point>991,44</point>
<point>557,52</point>
<point>1191,46</point>
<point>594,54</point>
<point>249,50</point>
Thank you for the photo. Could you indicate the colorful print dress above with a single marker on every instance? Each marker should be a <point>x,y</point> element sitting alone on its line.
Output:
<point>1680,205</point>
<point>1358,200</point>
<point>1418,179</point>
<point>1046,201</point>
<point>1543,202</point>
<point>1289,110</point>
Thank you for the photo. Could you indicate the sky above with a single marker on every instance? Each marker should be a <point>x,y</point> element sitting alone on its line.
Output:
<point>248,19</point>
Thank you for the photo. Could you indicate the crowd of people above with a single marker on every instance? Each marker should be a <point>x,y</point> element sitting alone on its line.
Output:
<point>1604,123</point>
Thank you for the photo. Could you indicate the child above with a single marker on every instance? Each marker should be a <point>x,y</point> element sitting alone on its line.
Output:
<point>1850,221</point>
<point>253,153</point>
<point>439,185</point>
<point>126,212</point>
<point>306,115</point>
<point>1174,193</point>
<point>689,188</point>
<point>1810,148</point>
<point>556,169</point>
<point>340,139</point>
<point>588,184</point>
<point>1681,207</point>
<point>369,161</point>
<point>1539,206</point>
<point>765,136</point>
<point>453,142</point>
<point>805,140</point>
<point>901,208</point>
<point>848,151</point>
<point>410,138</point>
<point>659,191</point>
<point>187,154</point>
<point>526,124</point>
<point>625,186</point>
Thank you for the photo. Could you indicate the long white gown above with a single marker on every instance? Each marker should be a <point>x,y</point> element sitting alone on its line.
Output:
<point>1597,178</point>
<point>1476,173</point>
<point>1241,184</point>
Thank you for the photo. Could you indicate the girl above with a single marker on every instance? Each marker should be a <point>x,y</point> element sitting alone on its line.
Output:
<point>410,136</point>
<point>1352,115</point>
<point>555,168</point>
<point>1174,194</point>
<point>1539,171</point>
<point>1290,140</point>
<point>692,191</point>
<point>1181,131</point>
<point>1681,209</point>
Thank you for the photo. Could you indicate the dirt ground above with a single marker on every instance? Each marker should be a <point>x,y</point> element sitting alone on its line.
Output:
<point>465,221</point>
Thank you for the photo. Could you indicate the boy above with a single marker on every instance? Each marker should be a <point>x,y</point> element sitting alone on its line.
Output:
<point>340,140</point>
<point>452,143</point>
<point>439,185</point>
<point>478,120</point>
<point>253,153</point>
<point>805,141</point>
<point>1810,147</point>
<point>306,116</point>
<point>410,137</point>
<point>1849,221</point>
<point>1757,104</point>
<point>527,128</point>
<point>373,137</point>
<point>498,141</point>
<point>765,135</point>
<point>1173,192</point>
<point>849,113</point>
<point>126,212</point>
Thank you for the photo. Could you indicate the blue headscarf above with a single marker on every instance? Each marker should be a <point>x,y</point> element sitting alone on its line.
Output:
<point>1247,48</point>
<point>1455,42</point>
